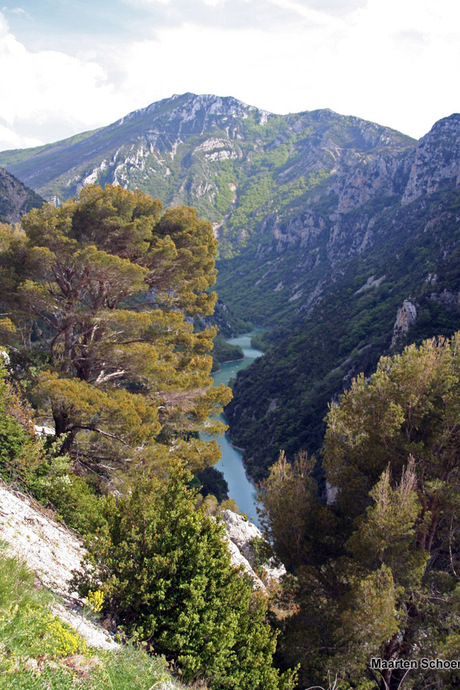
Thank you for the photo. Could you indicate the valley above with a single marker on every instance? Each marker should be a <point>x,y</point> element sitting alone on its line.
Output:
<point>230,464</point>
<point>340,238</point>
<point>316,214</point>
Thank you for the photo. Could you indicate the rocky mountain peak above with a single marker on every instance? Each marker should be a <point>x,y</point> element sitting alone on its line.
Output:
<point>217,105</point>
<point>436,160</point>
<point>181,111</point>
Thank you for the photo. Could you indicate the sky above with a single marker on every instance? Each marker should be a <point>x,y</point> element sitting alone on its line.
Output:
<point>68,66</point>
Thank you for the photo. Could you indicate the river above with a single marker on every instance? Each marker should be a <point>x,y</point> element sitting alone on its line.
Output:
<point>231,464</point>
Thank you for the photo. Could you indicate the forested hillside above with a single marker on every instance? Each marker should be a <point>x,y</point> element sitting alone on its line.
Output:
<point>405,290</point>
<point>352,306</point>
<point>341,237</point>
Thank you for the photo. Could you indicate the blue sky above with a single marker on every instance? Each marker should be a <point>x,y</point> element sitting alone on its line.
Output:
<point>71,65</point>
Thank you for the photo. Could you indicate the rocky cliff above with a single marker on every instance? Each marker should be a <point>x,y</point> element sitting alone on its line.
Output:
<point>15,198</point>
<point>377,198</point>
<point>381,275</point>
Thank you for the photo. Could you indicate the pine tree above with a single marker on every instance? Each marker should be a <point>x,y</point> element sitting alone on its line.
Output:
<point>107,286</point>
<point>376,571</point>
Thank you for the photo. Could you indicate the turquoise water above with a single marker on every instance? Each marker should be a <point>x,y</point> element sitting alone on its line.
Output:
<point>230,464</point>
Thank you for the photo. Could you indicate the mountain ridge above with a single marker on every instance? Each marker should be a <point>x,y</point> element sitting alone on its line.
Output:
<point>309,209</point>
<point>218,154</point>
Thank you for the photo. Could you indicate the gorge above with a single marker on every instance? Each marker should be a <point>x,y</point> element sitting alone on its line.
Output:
<point>327,225</point>
<point>240,488</point>
<point>341,238</point>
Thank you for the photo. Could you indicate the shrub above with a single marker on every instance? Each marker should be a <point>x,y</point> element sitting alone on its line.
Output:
<point>166,576</point>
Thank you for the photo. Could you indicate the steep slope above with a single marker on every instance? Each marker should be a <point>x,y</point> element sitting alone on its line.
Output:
<point>52,552</point>
<point>246,170</point>
<point>403,288</point>
<point>15,198</point>
<point>172,149</point>
<point>282,274</point>
<point>327,224</point>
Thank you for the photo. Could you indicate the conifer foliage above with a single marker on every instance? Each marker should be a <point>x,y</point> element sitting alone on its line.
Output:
<point>376,569</point>
<point>165,573</point>
<point>107,287</point>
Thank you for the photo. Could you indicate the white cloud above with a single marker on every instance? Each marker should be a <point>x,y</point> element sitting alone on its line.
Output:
<point>10,139</point>
<point>389,62</point>
<point>393,62</point>
<point>48,92</point>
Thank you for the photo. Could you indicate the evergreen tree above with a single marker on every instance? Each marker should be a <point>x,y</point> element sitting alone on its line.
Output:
<point>376,571</point>
<point>164,570</point>
<point>107,286</point>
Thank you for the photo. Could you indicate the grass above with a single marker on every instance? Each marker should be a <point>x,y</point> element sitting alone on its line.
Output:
<point>38,651</point>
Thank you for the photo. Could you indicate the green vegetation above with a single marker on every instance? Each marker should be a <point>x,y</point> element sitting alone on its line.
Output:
<point>200,611</point>
<point>375,572</point>
<point>15,198</point>
<point>224,352</point>
<point>99,297</point>
<point>107,282</point>
<point>281,400</point>
<point>39,651</point>
<point>106,307</point>
<point>211,481</point>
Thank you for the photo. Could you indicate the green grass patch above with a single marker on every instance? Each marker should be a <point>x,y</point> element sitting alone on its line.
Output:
<point>39,651</point>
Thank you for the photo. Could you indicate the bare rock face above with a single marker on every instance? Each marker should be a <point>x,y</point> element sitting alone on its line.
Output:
<point>241,533</point>
<point>53,552</point>
<point>48,548</point>
<point>239,561</point>
<point>15,198</point>
<point>436,160</point>
<point>405,318</point>
<point>331,494</point>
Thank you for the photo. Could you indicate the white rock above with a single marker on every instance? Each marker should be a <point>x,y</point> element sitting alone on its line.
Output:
<point>53,552</point>
<point>240,533</point>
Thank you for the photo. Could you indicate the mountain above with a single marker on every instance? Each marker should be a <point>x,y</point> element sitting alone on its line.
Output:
<point>295,254</point>
<point>240,166</point>
<point>339,234</point>
<point>15,198</point>
<point>366,301</point>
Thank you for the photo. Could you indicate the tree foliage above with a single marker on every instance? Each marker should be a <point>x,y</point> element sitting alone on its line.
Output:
<point>108,286</point>
<point>165,573</point>
<point>376,570</point>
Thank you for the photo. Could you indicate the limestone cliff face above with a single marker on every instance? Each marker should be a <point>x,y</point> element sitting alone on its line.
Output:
<point>241,533</point>
<point>233,161</point>
<point>53,552</point>
<point>371,197</point>
<point>15,198</point>
<point>172,149</point>
<point>405,318</point>
<point>436,160</point>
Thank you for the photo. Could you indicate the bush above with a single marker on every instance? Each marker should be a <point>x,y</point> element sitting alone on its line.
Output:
<point>166,576</point>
